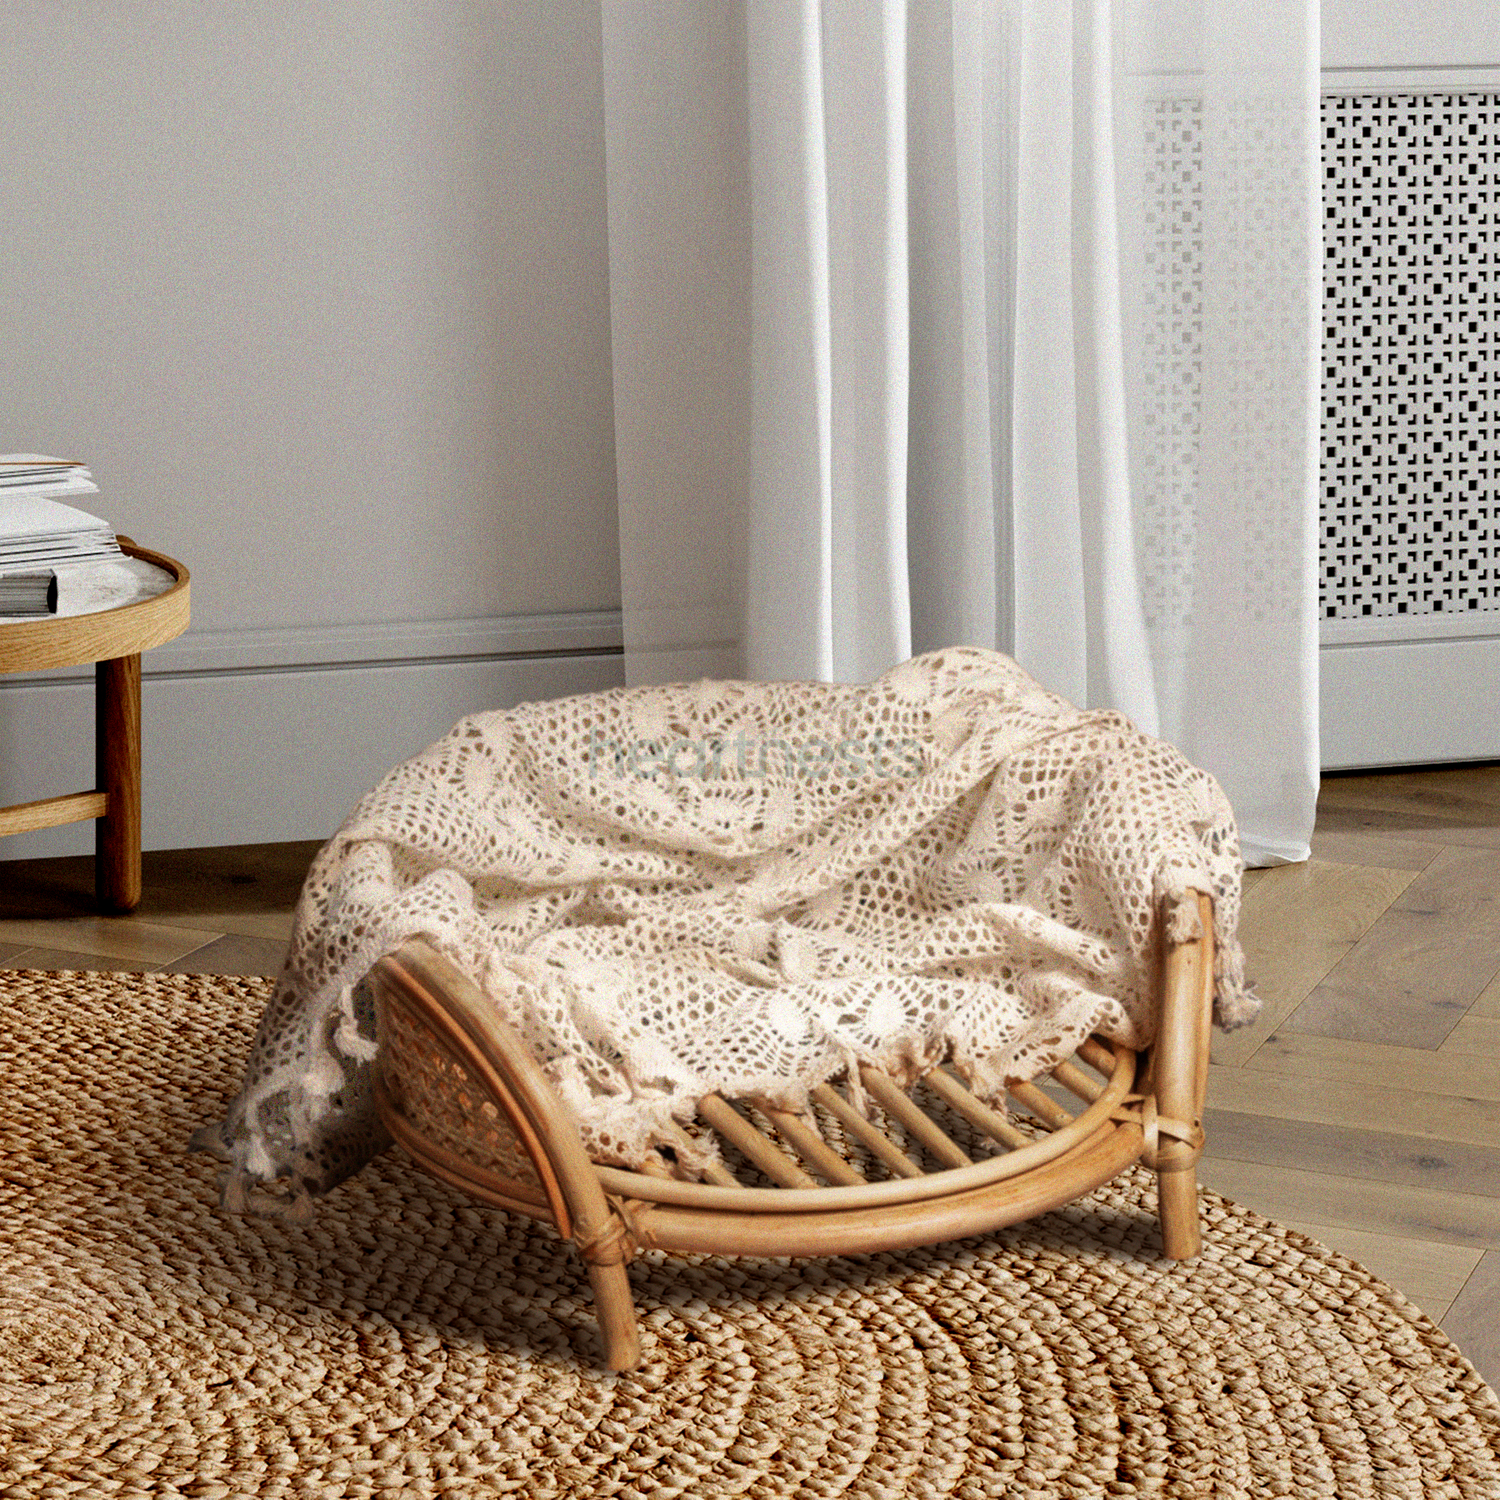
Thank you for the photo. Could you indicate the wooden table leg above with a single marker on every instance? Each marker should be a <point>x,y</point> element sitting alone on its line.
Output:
<point>117,760</point>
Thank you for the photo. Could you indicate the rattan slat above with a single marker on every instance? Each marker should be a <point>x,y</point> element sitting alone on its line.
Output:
<point>1047,1110</point>
<point>874,1139</point>
<point>1097,1056</point>
<point>1096,1119</point>
<point>812,1148</point>
<point>975,1111</point>
<point>1077,1082</point>
<point>713,1172</point>
<point>766,1155</point>
<point>910,1117</point>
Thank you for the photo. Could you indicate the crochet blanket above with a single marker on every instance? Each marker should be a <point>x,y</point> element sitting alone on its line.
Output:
<point>746,888</point>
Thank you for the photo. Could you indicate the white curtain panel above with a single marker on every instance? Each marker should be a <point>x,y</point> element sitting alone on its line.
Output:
<point>940,321</point>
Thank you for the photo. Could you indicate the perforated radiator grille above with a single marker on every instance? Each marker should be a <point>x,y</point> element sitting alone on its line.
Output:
<point>1410,512</point>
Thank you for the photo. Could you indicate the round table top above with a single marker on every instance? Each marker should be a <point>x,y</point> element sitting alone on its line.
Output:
<point>118,609</point>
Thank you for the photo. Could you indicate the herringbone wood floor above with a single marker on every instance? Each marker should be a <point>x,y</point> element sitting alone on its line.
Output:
<point>1363,1108</point>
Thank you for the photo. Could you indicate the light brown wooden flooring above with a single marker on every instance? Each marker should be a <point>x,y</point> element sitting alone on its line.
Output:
<point>202,911</point>
<point>1362,1108</point>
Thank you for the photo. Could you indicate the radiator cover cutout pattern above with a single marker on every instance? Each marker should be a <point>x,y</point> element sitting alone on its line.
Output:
<point>1410,519</point>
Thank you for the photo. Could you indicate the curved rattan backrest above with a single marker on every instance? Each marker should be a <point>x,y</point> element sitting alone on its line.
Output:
<point>439,1033</point>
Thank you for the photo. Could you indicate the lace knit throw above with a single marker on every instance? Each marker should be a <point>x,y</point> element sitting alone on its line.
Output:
<point>744,888</point>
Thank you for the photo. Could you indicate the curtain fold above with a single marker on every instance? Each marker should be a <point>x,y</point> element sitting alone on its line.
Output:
<point>982,321</point>
<point>826,564</point>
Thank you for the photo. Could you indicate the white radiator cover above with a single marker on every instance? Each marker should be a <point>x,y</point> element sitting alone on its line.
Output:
<point>1409,509</point>
<point>1410,522</point>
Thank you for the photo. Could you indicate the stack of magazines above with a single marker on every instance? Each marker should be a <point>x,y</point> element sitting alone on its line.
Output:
<point>39,531</point>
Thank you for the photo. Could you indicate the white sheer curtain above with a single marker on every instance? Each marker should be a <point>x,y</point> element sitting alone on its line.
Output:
<point>944,321</point>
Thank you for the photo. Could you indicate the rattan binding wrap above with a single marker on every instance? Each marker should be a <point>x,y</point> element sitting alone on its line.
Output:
<point>460,1093</point>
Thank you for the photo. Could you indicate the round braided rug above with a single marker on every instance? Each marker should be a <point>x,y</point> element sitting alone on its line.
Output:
<point>406,1342</point>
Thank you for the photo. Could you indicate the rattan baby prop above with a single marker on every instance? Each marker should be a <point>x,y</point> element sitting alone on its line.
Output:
<point>761,969</point>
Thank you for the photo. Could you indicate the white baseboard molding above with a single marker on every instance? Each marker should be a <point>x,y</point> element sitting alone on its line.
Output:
<point>1409,703</point>
<point>236,756</point>
<point>286,648</point>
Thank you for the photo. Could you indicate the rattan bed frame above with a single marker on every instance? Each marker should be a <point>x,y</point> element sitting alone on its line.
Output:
<point>459,1091</point>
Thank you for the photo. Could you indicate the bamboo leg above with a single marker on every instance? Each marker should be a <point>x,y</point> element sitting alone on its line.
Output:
<point>615,1310</point>
<point>1180,1077</point>
<point>117,759</point>
<point>1177,1207</point>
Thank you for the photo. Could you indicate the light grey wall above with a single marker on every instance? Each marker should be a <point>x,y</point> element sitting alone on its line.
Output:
<point>320,290</point>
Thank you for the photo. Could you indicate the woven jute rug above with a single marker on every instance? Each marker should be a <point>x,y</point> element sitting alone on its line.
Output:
<point>407,1342</point>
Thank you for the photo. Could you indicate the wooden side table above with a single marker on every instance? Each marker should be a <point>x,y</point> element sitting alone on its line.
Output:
<point>112,639</point>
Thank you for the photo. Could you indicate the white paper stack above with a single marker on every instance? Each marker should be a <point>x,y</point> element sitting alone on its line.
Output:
<point>37,474</point>
<point>39,531</point>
